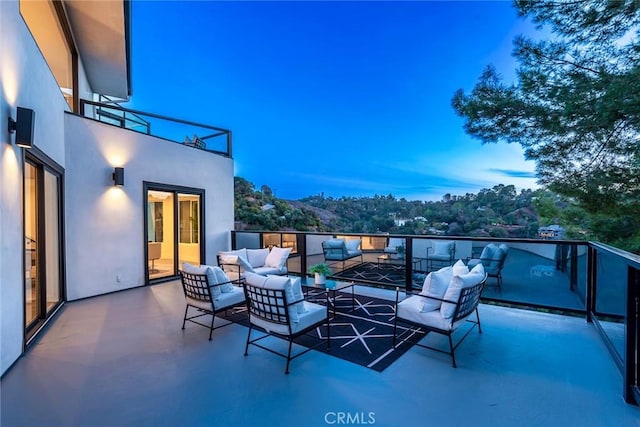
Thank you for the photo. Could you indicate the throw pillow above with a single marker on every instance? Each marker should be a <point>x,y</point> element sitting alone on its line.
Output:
<point>459,268</point>
<point>204,269</point>
<point>256,280</point>
<point>478,269</point>
<point>427,281</point>
<point>237,260</point>
<point>437,288</point>
<point>353,245</point>
<point>453,292</point>
<point>277,258</point>
<point>221,277</point>
<point>239,252</point>
<point>296,287</point>
<point>257,257</point>
<point>442,248</point>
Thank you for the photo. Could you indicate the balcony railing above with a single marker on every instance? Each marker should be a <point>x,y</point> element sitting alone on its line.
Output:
<point>571,277</point>
<point>196,135</point>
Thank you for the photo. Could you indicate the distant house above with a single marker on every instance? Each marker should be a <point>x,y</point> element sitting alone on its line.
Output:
<point>400,222</point>
<point>550,232</point>
<point>267,207</point>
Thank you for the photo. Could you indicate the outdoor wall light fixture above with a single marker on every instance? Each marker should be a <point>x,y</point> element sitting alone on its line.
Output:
<point>118,176</point>
<point>23,127</point>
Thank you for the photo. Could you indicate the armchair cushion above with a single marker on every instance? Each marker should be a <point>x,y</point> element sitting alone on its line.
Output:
<point>277,257</point>
<point>353,245</point>
<point>478,269</point>
<point>453,291</point>
<point>334,243</point>
<point>341,250</point>
<point>411,309</point>
<point>442,248</point>
<point>298,295</point>
<point>488,251</point>
<point>459,268</point>
<point>492,258</point>
<point>281,283</point>
<point>265,271</point>
<point>211,278</point>
<point>229,299</point>
<point>313,314</point>
<point>498,258</point>
<point>216,276</point>
<point>237,260</point>
<point>435,285</point>
<point>239,252</point>
<point>257,257</point>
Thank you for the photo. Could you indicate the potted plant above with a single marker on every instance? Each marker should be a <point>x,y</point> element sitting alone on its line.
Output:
<point>321,272</point>
<point>400,250</point>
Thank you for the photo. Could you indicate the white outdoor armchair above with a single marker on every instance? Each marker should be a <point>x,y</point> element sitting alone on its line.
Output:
<point>456,309</point>
<point>208,291</point>
<point>277,306</point>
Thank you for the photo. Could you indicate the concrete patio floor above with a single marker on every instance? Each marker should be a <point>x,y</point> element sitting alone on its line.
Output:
<point>122,359</point>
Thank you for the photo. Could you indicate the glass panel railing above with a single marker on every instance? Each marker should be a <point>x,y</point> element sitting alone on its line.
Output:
<point>538,274</point>
<point>558,275</point>
<point>541,273</point>
<point>611,298</point>
<point>195,135</point>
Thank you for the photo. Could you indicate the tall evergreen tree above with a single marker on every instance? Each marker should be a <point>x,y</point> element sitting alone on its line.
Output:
<point>575,108</point>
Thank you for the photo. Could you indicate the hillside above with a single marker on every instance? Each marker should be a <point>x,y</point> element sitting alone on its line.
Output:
<point>496,212</point>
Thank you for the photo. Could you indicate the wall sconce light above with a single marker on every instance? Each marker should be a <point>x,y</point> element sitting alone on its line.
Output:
<point>118,176</point>
<point>23,127</point>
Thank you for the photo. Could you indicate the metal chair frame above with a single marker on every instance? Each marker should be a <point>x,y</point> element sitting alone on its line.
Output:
<point>271,305</point>
<point>467,303</point>
<point>197,287</point>
<point>442,262</point>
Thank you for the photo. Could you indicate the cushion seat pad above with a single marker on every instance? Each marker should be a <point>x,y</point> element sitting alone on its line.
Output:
<point>228,299</point>
<point>314,313</point>
<point>411,309</point>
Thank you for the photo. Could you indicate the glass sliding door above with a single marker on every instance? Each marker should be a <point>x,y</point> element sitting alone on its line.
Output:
<point>189,220</point>
<point>42,243</point>
<point>160,231</point>
<point>173,228</point>
<point>32,245</point>
<point>51,240</point>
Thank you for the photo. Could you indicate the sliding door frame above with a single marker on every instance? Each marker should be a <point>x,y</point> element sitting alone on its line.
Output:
<point>42,163</point>
<point>176,190</point>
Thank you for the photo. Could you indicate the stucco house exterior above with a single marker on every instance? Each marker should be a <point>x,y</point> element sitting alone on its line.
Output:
<point>68,228</point>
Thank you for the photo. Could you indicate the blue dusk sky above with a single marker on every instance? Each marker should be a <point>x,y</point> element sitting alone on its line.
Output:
<point>340,98</point>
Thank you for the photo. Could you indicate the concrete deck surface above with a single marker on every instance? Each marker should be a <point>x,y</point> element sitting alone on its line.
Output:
<point>123,360</point>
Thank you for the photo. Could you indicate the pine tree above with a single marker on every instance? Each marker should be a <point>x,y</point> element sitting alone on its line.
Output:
<point>575,108</point>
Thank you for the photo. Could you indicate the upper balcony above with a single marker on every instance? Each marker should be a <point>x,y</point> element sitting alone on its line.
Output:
<point>196,135</point>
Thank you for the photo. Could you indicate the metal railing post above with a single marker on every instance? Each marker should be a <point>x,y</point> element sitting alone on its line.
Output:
<point>592,274</point>
<point>631,392</point>
<point>301,243</point>
<point>408,263</point>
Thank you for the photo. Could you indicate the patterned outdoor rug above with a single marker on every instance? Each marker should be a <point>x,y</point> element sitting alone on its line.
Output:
<point>371,272</point>
<point>363,336</point>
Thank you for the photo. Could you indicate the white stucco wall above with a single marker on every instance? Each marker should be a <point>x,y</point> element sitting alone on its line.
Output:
<point>26,81</point>
<point>104,234</point>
